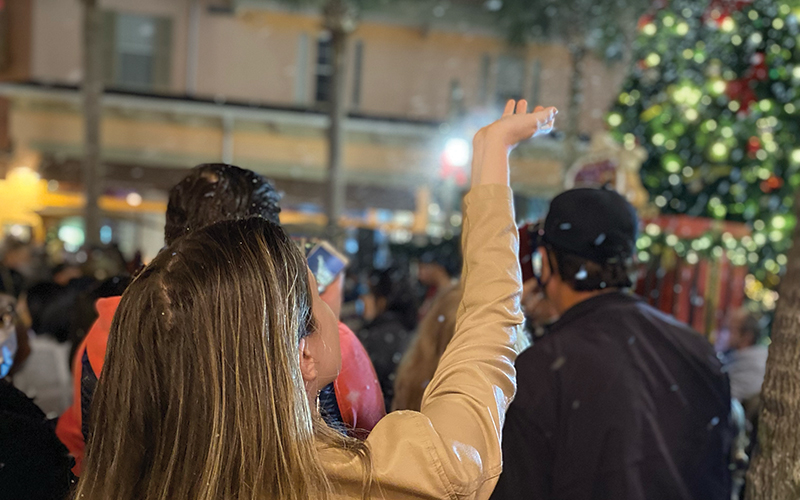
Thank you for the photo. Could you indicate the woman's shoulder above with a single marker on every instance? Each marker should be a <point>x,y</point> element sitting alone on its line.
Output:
<point>406,455</point>
<point>403,460</point>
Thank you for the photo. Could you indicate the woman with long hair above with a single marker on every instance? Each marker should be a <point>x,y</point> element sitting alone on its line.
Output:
<point>219,349</point>
<point>419,363</point>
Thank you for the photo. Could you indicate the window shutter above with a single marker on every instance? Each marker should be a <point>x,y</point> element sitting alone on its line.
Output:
<point>162,60</point>
<point>109,39</point>
<point>358,62</point>
<point>5,37</point>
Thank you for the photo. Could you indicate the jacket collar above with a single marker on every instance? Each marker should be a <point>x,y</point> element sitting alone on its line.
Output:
<point>588,306</point>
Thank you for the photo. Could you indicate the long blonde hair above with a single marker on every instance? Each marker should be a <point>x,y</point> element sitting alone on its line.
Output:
<point>422,357</point>
<point>201,395</point>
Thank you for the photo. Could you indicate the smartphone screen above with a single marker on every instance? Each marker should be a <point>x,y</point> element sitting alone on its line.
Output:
<point>325,263</point>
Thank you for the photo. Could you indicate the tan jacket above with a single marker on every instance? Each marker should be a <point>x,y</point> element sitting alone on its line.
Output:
<point>451,449</point>
<point>420,361</point>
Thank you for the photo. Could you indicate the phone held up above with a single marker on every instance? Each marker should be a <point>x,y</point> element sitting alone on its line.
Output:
<point>324,261</point>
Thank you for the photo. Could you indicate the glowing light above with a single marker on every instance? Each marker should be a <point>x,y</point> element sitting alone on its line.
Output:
<point>653,229</point>
<point>765,105</point>
<point>734,106</point>
<point>658,139</point>
<point>687,94</point>
<point>719,151</point>
<point>796,156</point>
<point>669,21</point>
<point>649,29</point>
<point>682,29</point>
<point>790,108</point>
<point>692,115</point>
<point>615,119</point>
<point>456,152</point>
<point>105,234</point>
<point>672,240</point>
<point>728,25</point>
<point>779,222</point>
<point>778,23</point>
<point>718,87</point>
<point>692,258</point>
<point>72,236</point>
<point>661,201</point>
<point>673,166</point>
<point>711,125</point>
<point>736,40</point>
<point>653,59</point>
<point>24,174</point>
<point>134,199</point>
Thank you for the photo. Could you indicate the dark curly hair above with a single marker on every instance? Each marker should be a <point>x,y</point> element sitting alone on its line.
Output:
<point>584,275</point>
<point>213,192</point>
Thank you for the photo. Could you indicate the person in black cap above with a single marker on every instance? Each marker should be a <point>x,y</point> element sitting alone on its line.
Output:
<point>618,401</point>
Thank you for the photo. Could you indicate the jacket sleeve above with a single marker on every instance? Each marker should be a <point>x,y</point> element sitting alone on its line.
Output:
<point>68,427</point>
<point>451,449</point>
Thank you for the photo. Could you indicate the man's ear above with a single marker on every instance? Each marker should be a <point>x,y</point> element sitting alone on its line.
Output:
<point>308,365</point>
<point>547,269</point>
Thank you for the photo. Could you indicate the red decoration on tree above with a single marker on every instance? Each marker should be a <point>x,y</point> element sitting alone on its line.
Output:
<point>772,184</point>
<point>720,10</point>
<point>753,145</point>
<point>742,90</point>
<point>645,20</point>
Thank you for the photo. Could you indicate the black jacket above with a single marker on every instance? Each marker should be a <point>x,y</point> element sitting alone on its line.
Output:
<point>618,402</point>
<point>34,465</point>
<point>386,338</point>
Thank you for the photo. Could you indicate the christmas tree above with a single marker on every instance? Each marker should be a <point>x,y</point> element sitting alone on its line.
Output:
<point>713,97</point>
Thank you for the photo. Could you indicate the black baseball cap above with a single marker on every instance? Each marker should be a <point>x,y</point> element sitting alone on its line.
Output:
<point>596,224</point>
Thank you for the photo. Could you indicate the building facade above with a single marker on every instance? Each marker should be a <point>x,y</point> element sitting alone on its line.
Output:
<point>194,81</point>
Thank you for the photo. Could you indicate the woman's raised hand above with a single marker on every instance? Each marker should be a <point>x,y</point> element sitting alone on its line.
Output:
<point>493,143</point>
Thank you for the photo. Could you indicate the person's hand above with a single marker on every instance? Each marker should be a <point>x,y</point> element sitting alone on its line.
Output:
<point>493,143</point>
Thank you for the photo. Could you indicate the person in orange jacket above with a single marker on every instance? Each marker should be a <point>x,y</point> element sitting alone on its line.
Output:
<point>210,193</point>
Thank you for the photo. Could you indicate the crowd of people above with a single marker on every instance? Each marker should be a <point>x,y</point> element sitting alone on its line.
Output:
<point>225,368</point>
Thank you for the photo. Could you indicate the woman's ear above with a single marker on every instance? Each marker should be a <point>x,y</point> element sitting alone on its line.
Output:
<point>308,365</point>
